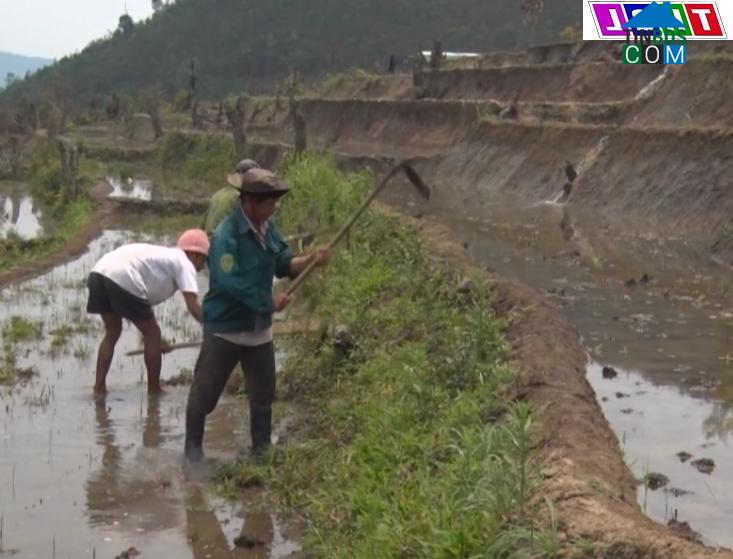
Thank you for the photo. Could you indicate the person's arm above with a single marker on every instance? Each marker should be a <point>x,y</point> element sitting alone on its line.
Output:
<point>193,305</point>
<point>300,263</point>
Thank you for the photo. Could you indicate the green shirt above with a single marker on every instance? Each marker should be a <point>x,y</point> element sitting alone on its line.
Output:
<point>241,276</point>
<point>222,203</point>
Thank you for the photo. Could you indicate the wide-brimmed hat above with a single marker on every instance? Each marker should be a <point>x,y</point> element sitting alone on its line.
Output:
<point>246,165</point>
<point>258,181</point>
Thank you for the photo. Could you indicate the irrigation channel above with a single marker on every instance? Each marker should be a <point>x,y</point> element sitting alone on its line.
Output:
<point>659,322</point>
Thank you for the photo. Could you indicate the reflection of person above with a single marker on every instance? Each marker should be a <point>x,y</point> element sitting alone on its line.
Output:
<point>247,251</point>
<point>225,200</point>
<point>151,429</point>
<point>137,488</point>
<point>129,281</point>
<point>102,488</point>
<point>208,540</point>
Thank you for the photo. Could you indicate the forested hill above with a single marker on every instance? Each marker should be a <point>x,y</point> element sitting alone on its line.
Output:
<point>251,43</point>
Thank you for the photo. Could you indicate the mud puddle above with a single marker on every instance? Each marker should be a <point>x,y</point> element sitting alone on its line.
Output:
<point>20,216</point>
<point>672,390</point>
<point>82,479</point>
<point>130,188</point>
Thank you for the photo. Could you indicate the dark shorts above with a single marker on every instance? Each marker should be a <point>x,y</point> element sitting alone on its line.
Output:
<point>105,297</point>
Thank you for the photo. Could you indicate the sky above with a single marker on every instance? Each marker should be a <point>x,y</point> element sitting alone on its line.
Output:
<point>55,28</point>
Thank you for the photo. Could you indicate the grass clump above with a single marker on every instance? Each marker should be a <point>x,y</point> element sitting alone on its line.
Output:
<point>412,446</point>
<point>19,329</point>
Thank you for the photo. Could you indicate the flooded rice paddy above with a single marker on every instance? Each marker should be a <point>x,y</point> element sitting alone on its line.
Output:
<point>80,478</point>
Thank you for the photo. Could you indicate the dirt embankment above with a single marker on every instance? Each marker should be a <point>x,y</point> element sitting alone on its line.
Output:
<point>656,163</point>
<point>590,486</point>
<point>595,82</point>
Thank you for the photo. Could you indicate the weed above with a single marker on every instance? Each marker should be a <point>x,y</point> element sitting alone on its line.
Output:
<point>21,330</point>
<point>399,459</point>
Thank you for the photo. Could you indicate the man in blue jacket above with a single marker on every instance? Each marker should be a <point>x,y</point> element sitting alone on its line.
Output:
<point>247,251</point>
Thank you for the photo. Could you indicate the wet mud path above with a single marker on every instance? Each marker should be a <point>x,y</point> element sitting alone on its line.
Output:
<point>85,479</point>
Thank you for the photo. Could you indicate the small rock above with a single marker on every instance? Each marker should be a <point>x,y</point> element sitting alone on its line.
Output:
<point>627,411</point>
<point>609,372</point>
<point>604,399</point>
<point>704,465</point>
<point>465,245</point>
<point>630,283</point>
<point>621,395</point>
<point>645,279</point>
<point>684,456</point>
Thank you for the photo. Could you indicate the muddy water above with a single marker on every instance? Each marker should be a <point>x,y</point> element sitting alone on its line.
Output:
<point>673,352</point>
<point>82,479</point>
<point>135,189</point>
<point>19,215</point>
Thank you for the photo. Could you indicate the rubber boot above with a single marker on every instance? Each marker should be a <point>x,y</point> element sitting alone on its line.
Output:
<point>193,448</point>
<point>260,426</point>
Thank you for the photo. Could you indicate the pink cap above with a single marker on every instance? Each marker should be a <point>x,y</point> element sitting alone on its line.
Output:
<point>194,240</point>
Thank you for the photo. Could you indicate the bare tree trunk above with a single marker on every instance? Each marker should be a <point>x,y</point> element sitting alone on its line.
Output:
<point>235,116</point>
<point>299,126</point>
<point>152,107</point>
<point>69,159</point>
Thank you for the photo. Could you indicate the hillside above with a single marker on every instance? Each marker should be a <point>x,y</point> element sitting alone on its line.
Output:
<point>252,44</point>
<point>18,65</point>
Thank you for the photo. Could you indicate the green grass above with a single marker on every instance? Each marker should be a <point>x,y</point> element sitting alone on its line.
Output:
<point>410,445</point>
<point>18,329</point>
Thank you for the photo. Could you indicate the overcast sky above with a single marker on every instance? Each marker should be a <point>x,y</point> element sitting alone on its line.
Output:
<point>54,28</point>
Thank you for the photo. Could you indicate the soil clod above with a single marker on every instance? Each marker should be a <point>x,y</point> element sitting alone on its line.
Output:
<point>684,456</point>
<point>655,480</point>
<point>704,465</point>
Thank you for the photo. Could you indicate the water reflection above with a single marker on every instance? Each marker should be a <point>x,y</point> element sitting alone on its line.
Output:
<point>136,189</point>
<point>130,491</point>
<point>19,216</point>
<point>246,531</point>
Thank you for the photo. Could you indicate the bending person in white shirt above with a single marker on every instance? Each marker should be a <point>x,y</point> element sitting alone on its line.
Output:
<point>129,281</point>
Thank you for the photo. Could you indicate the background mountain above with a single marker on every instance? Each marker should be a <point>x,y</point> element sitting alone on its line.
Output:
<point>251,44</point>
<point>18,65</point>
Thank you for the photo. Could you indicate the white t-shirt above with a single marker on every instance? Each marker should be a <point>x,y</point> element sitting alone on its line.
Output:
<point>150,272</point>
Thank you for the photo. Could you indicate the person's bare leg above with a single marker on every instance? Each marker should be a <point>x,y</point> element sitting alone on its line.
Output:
<point>112,331</point>
<point>152,340</point>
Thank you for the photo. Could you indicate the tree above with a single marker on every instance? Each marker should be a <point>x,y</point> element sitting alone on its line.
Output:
<point>151,102</point>
<point>158,5</point>
<point>234,109</point>
<point>125,26</point>
<point>10,77</point>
